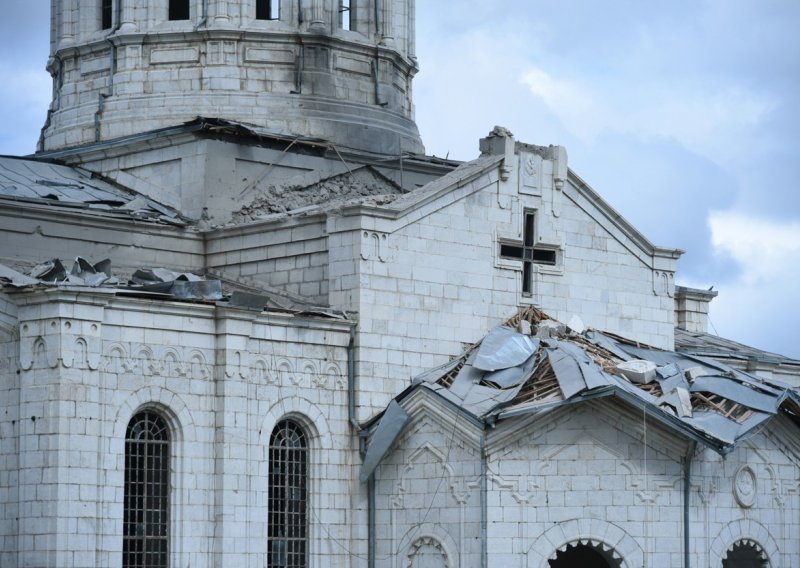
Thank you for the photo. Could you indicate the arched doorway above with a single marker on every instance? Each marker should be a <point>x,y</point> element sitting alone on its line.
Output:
<point>589,555</point>
<point>745,554</point>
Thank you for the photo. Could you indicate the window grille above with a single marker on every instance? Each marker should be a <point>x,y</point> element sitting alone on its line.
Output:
<point>179,10</point>
<point>145,542</point>
<point>268,10</point>
<point>106,14</point>
<point>288,497</point>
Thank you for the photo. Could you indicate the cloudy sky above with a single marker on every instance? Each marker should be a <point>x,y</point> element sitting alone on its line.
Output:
<point>682,114</point>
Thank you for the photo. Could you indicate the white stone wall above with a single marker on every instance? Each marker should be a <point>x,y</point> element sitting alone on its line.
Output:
<point>597,472</point>
<point>222,378</point>
<point>9,427</point>
<point>291,255</point>
<point>430,279</point>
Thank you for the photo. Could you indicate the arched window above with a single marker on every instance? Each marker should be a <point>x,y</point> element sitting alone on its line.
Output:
<point>589,555</point>
<point>288,497</point>
<point>179,9</point>
<point>145,524</point>
<point>745,554</point>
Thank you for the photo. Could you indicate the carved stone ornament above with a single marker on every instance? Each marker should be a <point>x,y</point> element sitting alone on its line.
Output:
<point>427,552</point>
<point>745,487</point>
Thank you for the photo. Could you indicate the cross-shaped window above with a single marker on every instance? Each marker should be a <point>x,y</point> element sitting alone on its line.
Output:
<point>528,253</point>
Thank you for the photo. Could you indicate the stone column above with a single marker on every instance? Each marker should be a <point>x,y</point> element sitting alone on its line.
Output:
<point>318,16</point>
<point>236,535</point>
<point>67,17</point>
<point>220,12</point>
<point>127,17</point>
<point>387,22</point>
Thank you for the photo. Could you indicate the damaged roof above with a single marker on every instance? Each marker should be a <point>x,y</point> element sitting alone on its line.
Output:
<point>708,345</point>
<point>46,183</point>
<point>317,191</point>
<point>533,363</point>
<point>161,283</point>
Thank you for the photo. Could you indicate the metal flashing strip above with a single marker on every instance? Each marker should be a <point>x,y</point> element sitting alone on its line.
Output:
<point>388,430</point>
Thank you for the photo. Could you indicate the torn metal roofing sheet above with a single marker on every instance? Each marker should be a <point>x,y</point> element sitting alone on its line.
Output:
<point>36,181</point>
<point>702,399</point>
<point>162,283</point>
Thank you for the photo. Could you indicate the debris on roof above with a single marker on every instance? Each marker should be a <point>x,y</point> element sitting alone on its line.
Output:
<point>303,192</point>
<point>55,185</point>
<point>510,373</point>
<point>162,283</point>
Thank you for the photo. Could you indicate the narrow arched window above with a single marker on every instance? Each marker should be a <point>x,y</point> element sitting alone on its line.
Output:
<point>288,496</point>
<point>178,9</point>
<point>145,524</point>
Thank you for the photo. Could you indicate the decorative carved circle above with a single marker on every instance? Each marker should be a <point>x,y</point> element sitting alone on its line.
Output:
<point>745,486</point>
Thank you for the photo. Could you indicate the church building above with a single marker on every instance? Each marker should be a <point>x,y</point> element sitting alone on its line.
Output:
<point>246,321</point>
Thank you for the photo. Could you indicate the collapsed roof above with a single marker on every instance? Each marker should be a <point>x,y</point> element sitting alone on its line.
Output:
<point>533,363</point>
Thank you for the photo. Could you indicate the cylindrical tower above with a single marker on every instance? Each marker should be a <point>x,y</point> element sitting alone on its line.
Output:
<point>334,69</point>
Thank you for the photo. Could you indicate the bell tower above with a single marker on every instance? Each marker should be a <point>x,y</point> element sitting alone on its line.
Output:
<point>340,70</point>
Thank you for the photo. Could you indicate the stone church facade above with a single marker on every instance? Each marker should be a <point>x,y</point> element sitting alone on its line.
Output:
<point>289,338</point>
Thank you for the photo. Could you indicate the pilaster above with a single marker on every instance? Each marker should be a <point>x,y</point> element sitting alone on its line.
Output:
<point>235,534</point>
<point>59,444</point>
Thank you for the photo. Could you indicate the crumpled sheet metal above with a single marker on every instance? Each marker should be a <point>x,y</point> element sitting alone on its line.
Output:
<point>607,343</point>
<point>389,429</point>
<point>737,392</point>
<point>574,369</point>
<point>433,375</point>
<point>9,276</point>
<point>480,399</point>
<point>504,348</point>
<point>181,285</point>
<point>482,393</point>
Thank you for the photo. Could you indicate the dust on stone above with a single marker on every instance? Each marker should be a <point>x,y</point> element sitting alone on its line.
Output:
<point>360,185</point>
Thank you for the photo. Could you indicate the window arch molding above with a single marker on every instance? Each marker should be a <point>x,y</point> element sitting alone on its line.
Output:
<point>182,427</point>
<point>744,530</point>
<point>315,426</point>
<point>148,490</point>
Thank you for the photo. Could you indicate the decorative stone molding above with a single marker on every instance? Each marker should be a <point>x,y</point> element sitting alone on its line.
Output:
<point>747,530</point>
<point>522,489</point>
<point>594,532</point>
<point>663,283</point>
<point>427,552</point>
<point>375,246</point>
<point>461,490</point>
<point>148,360</point>
<point>59,343</point>
<point>745,487</point>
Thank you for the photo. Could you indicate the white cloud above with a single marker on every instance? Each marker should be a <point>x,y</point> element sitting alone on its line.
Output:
<point>567,100</point>
<point>706,119</point>
<point>760,307</point>
<point>766,249</point>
